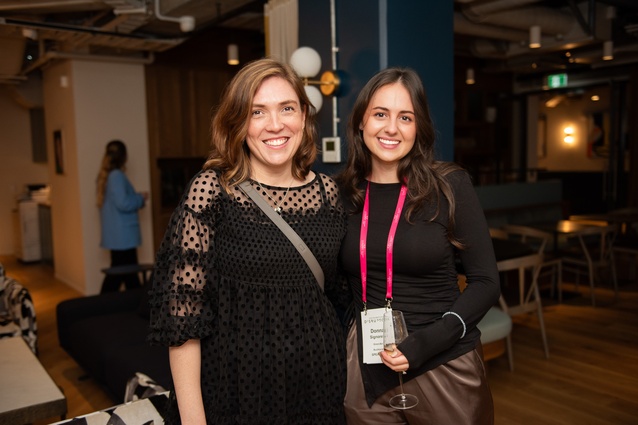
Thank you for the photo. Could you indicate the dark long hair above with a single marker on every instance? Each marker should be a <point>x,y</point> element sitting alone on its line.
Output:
<point>229,126</point>
<point>424,175</point>
<point>114,158</point>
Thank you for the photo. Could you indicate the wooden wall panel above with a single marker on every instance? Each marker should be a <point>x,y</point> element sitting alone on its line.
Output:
<point>184,84</point>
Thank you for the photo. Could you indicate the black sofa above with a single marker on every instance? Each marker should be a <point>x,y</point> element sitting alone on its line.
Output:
<point>106,335</point>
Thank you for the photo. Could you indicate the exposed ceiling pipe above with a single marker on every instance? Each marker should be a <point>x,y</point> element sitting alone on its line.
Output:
<point>595,52</point>
<point>130,15</point>
<point>491,49</point>
<point>80,29</point>
<point>12,79</point>
<point>551,21</point>
<point>588,27</point>
<point>560,29</point>
<point>630,4</point>
<point>464,26</point>
<point>22,5</point>
<point>49,56</point>
<point>477,11</point>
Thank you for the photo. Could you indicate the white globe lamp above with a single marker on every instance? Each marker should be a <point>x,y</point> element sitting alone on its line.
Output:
<point>306,62</point>
<point>314,95</point>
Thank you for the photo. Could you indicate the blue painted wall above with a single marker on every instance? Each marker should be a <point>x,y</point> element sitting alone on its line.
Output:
<point>372,34</point>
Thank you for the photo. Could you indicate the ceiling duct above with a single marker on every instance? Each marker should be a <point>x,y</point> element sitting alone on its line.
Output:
<point>59,6</point>
<point>462,25</point>
<point>510,14</point>
<point>130,15</point>
<point>500,28</point>
<point>476,11</point>
<point>12,53</point>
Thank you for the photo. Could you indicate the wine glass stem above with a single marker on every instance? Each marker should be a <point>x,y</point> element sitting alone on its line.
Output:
<point>401,383</point>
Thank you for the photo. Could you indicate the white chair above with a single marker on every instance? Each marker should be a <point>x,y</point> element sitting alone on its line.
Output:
<point>496,329</point>
<point>591,251</point>
<point>528,299</point>
<point>496,339</point>
<point>551,264</point>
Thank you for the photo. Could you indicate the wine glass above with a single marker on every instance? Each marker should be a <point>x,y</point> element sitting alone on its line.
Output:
<point>394,332</point>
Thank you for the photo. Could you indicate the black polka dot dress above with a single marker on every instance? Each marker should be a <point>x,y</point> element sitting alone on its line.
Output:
<point>273,349</point>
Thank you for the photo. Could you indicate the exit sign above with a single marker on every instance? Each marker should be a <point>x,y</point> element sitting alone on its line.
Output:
<point>555,81</point>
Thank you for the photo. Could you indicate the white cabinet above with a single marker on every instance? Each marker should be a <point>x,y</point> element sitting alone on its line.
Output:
<point>28,247</point>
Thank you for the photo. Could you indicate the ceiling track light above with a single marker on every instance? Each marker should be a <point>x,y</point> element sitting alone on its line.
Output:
<point>469,76</point>
<point>535,37</point>
<point>233,54</point>
<point>608,50</point>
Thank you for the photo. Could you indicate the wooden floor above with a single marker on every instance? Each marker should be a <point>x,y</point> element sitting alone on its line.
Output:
<point>590,378</point>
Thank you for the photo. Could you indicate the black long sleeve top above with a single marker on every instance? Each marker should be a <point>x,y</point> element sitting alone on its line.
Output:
<point>425,279</point>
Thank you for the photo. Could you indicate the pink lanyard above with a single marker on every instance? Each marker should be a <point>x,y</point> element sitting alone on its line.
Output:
<point>388,248</point>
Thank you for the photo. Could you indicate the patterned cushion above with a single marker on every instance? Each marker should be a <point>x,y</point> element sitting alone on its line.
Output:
<point>141,386</point>
<point>19,310</point>
<point>146,411</point>
<point>3,305</point>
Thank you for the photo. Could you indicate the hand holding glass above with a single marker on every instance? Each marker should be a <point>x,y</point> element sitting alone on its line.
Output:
<point>394,332</point>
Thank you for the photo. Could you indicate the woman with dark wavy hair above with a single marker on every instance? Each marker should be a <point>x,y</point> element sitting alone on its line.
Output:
<point>410,218</point>
<point>252,337</point>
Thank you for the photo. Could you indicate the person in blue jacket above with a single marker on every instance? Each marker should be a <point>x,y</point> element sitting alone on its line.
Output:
<point>119,203</point>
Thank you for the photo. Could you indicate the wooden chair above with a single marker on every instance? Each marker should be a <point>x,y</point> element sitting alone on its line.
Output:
<point>528,299</point>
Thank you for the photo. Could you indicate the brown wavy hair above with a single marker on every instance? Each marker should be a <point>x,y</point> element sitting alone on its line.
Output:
<point>114,158</point>
<point>424,175</point>
<point>229,125</point>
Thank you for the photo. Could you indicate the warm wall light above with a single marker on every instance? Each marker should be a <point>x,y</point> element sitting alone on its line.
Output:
<point>595,98</point>
<point>535,37</point>
<point>233,54</point>
<point>608,50</point>
<point>469,76</point>
<point>569,135</point>
<point>307,63</point>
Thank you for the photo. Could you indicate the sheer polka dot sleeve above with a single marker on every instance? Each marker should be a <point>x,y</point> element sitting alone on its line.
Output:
<point>182,297</point>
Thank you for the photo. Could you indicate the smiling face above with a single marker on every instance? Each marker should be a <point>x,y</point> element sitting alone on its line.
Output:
<point>389,130</point>
<point>275,130</point>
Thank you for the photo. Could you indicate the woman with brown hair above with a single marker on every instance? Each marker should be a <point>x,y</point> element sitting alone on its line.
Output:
<point>253,338</point>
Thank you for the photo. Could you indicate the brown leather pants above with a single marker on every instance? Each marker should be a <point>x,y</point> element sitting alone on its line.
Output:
<point>455,393</point>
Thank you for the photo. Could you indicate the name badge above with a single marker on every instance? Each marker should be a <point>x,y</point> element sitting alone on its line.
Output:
<point>372,334</point>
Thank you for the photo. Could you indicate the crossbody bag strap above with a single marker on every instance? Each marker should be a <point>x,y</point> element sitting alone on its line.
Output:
<point>294,238</point>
